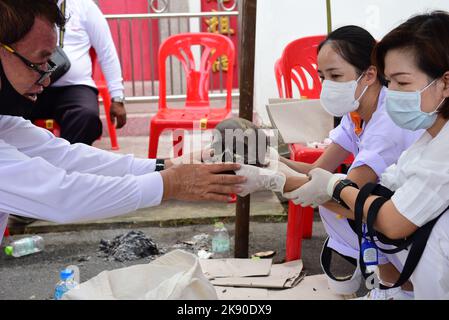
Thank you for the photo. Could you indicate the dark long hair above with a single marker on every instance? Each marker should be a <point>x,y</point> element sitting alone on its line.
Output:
<point>355,45</point>
<point>427,35</point>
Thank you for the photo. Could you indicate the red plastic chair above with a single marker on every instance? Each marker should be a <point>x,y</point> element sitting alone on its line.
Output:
<point>298,64</point>
<point>102,87</point>
<point>197,108</point>
<point>280,78</point>
<point>6,233</point>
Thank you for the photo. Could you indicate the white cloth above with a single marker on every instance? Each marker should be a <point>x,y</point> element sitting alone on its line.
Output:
<point>46,178</point>
<point>174,276</point>
<point>88,28</point>
<point>380,145</point>
<point>431,276</point>
<point>421,183</point>
<point>421,178</point>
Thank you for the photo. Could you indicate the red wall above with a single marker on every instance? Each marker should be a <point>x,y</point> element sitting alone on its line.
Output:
<point>212,5</point>
<point>139,32</point>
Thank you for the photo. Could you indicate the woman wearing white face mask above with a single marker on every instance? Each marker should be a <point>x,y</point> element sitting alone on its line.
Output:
<point>352,89</point>
<point>409,207</point>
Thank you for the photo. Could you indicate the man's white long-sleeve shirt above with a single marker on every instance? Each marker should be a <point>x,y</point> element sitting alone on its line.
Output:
<point>47,178</point>
<point>86,27</point>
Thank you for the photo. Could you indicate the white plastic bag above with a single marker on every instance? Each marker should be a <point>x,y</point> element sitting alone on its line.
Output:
<point>176,275</point>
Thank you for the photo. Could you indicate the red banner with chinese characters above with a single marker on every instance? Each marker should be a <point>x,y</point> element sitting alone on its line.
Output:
<point>226,26</point>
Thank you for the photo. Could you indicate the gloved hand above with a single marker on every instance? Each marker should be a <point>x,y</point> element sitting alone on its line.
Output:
<point>260,179</point>
<point>316,191</point>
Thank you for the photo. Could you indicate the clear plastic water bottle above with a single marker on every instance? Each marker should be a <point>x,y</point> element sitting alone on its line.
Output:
<point>25,246</point>
<point>221,243</point>
<point>66,283</point>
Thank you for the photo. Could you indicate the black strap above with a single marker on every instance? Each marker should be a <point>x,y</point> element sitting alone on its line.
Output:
<point>373,211</point>
<point>362,196</point>
<point>417,241</point>
<point>326,259</point>
<point>62,29</point>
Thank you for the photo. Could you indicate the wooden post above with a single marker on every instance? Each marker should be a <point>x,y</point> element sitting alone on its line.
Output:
<point>247,29</point>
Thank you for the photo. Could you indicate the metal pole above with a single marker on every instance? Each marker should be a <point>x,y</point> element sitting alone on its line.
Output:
<point>247,29</point>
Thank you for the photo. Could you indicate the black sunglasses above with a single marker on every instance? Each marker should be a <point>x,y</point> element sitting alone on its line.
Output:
<point>44,75</point>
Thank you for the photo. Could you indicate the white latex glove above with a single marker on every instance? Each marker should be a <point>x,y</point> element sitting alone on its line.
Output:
<point>276,165</point>
<point>317,191</point>
<point>260,179</point>
<point>272,155</point>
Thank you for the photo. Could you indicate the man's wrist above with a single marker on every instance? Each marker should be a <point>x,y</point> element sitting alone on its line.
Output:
<point>118,99</point>
<point>169,182</point>
<point>167,163</point>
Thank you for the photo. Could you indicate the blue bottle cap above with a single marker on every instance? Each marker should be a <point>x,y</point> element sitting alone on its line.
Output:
<point>66,274</point>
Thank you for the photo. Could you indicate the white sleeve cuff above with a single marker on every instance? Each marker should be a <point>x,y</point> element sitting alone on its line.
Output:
<point>152,188</point>
<point>116,93</point>
<point>143,166</point>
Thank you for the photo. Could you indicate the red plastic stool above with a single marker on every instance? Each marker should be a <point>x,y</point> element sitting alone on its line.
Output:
<point>6,234</point>
<point>300,220</point>
<point>49,124</point>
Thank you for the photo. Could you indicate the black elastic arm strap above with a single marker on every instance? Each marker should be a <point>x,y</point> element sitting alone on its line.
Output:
<point>365,192</point>
<point>363,195</point>
<point>382,191</point>
<point>417,241</point>
<point>371,217</point>
<point>373,211</point>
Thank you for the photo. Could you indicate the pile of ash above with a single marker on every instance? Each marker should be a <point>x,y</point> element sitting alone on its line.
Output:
<point>133,245</point>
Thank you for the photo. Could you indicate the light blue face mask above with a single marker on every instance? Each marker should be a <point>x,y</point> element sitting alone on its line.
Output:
<point>405,109</point>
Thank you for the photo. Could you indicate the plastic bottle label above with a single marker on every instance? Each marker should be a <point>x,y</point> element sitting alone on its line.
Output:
<point>220,245</point>
<point>62,288</point>
<point>59,292</point>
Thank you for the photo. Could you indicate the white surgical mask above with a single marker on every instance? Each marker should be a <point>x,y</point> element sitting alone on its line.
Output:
<point>404,108</point>
<point>338,98</point>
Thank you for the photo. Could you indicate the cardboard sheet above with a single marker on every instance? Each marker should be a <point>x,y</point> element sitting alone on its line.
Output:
<point>310,288</point>
<point>227,268</point>
<point>300,121</point>
<point>281,276</point>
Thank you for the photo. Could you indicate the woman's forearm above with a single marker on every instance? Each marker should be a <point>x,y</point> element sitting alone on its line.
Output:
<point>389,220</point>
<point>293,183</point>
<point>301,167</point>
